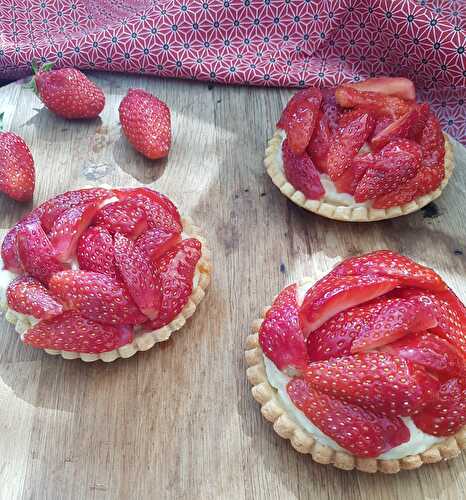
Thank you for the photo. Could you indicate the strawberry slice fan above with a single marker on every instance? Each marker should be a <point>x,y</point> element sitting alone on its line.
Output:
<point>360,152</point>
<point>102,273</point>
<point>366,368</point>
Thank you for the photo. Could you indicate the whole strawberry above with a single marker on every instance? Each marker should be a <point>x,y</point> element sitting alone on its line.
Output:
<point>68,92</point>
<point>145,120</point>
<point>17,174</point>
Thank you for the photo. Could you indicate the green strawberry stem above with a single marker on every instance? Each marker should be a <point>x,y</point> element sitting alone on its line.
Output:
<point>31,85</point>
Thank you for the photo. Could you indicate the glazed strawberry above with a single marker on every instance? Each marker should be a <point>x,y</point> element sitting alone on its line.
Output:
<point>319,144</point>
<point>9,253</point>
<point>74,333</point>
<point>349,180</point>
<point>280,335</point>
<point>96,296</point>
<point>139,275</point>
<point>27,295</point>
<point>67,229</point>
<point>388,169</point>
<point>17,173</point>
<point>301,173</point>
<point>398,129</point>
<point>146,123</point>
<point>329,106</point>
<point>447,414</point>
<point>299,118</point>
<point>376,381</point>
<point>334,294</point>
<point>386,263</point>
<point>430,351</point>
<point>346,143</point>
<point>68,92</point>
<point>36,253</point>
<point>155,242</point>
<point>176,270</point>
<point>398,87</point>
<point>124,217</point>
<point>361,432</point>
<point>95,252</point>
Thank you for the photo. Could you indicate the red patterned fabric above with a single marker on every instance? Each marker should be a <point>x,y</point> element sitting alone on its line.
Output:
<point>256,42</point>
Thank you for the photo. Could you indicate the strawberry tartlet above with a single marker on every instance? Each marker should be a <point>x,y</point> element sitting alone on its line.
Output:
<point>360,152</point>
<point>366,368</point>
<point>102,273</point>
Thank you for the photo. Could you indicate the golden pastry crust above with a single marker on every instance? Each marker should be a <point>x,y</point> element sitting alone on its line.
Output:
<point>345,213</point>
<point>147,340</point>
<point>286,427</point>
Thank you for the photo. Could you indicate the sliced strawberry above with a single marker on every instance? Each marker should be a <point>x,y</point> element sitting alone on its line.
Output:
<point>394,86</point>
<point>319,144</point>
<point>176,270</point>
<point>38,256</point>
<point>447,414</point>
<point>329,106</point>
<point>95,252</point>
<point>125,217</point>
<point>375,381</point>
<point>430,351</point>
<point>155,242</point>
<point>346,143</point>
<point>280,335</point>
<point>68,228</point>
<point>361,432</point>
<point>348,181</point>
<point>390,264</point>
<point>299,118</point>
<point>96,296</point>
<point>390,168</point>
<point>139,275</point>
<point>381,124</point>
<point>73,332</point>
<point>27,295</point>
<point>334,294</point>
<point>301,173</point>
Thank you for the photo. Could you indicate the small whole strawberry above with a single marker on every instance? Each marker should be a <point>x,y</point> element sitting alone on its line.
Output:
<point>67,92</point>
<point>17,173</point>
<point>146,123</point>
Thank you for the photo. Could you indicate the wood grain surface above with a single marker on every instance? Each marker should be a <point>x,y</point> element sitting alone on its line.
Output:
<point>178,421</point>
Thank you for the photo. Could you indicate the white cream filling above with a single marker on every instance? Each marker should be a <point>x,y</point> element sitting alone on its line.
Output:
<point>418,443</point>
<point>331,195</point>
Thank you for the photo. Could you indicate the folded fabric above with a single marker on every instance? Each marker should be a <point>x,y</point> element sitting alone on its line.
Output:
<point>255,42</point>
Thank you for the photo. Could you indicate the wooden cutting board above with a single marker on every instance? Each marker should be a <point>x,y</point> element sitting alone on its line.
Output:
<point>178,421</point>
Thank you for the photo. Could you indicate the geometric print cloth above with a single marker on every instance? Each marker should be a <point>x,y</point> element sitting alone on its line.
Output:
<point>289,43</point>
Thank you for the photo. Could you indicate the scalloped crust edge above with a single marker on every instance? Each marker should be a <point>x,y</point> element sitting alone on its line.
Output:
<point>345,213</point>
<point>285,426</point>
<point>147,340</point>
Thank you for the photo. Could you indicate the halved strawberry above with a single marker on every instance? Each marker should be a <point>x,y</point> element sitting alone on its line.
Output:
<point>348,181</point>
<point>299,118</point>
<point>346,143</point>
<point>375,381</point>
<point>68,228</point>
<point>73,332</point>
<point>301,173</point>
<point>139,275</point>
<point>319,144</point>
<point>430,351</point>
<point>155,242</point>
<point>95,252</point>
<point>27,295</point>
<point>125,217</point>
<point>361,432</point>
<point>280,335</point>
<point>390,264</point>
<point>395,86</point>
<point>96,296</point>
<point>329,106</point>
<point>390,168</point>
<point>176,270</point>
<point>37,255</point>
<point>447,414</point>
<point>334,294</point>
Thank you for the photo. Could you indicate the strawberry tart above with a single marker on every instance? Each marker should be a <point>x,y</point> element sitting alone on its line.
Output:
<point>366,368</point>
<point>360,152</point>
<point>102,273</point>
